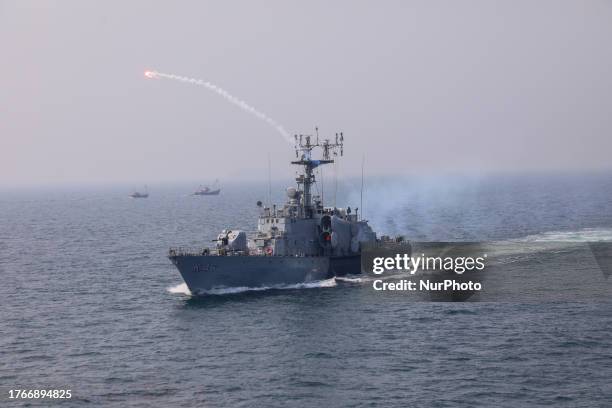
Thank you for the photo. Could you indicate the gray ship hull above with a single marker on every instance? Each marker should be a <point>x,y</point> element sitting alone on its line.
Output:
<point>345,265</point>
<point>204,273</point>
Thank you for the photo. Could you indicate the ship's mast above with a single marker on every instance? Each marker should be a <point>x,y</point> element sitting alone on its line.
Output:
<point>303,151</point>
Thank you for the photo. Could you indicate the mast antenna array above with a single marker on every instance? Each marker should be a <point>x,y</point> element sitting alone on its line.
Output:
<point>304,146</point>
<point>303,152</point>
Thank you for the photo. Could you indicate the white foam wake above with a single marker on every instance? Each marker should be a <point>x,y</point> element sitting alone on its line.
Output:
<point>182,288</point>
<point>349,280</point>
<point>516,249</point>
<point>583,235</point>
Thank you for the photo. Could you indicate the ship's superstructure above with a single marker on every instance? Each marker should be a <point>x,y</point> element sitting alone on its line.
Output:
<point>303,226</point>
<point>300,241</point>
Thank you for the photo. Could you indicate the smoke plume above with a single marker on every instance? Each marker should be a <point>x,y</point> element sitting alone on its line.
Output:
<point>229,97</point>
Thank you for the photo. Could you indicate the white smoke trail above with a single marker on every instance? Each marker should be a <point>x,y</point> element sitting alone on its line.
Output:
<point>231,98</point>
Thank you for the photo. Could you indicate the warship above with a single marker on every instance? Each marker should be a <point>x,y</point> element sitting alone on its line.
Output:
<point>204,191</point>
<point>137,194</point>
<point>301,241</point>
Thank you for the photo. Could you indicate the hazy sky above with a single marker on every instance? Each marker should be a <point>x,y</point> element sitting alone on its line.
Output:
<point>419,86</point>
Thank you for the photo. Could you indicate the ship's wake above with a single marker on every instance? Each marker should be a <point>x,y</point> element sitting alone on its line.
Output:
<point>182,288</point>
<point>511,250</point>
<point>583,235</point>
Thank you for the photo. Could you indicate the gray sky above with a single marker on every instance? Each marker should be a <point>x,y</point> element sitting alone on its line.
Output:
<point>419,86</point>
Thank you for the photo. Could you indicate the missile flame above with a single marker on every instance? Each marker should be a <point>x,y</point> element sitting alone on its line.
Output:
<point>150,74</point>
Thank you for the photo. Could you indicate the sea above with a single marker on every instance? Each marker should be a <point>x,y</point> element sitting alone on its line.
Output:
<point>90,303</point>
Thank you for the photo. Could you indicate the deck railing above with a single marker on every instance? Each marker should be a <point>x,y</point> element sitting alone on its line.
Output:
<point>190,251</point>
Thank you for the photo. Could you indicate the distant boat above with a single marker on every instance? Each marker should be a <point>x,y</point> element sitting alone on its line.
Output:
<point>137,194</point>
<point>207,190</point>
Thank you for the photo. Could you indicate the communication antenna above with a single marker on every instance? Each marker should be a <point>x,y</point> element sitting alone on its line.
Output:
<point>269,181</point>
<point>361,201</point>
<point>335,181</point>
<point>322,185</point>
